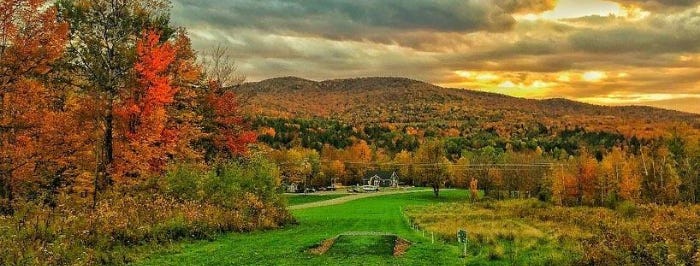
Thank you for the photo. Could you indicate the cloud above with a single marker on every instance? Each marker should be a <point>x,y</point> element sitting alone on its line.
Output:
<point>658,5</point>
<point>526,6</point>
<point>505,47</point>
<point>655,34</point>
<point>357,19</point>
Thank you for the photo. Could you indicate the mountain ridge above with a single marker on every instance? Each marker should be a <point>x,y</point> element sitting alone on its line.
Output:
<point>397,78</point>
<point>398,100</point>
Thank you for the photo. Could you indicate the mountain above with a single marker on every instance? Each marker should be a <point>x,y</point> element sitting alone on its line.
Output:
<point>688,104</point>
<point>402,101</point>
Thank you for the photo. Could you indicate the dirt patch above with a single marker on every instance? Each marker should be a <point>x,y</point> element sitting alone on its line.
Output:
<point>321,248</point>
<point>365,244</point>
<point>401,246</point>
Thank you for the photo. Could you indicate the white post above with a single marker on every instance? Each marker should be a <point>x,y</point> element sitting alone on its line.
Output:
<point>432,237</point>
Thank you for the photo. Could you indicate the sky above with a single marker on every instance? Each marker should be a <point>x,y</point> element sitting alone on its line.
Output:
<point>612,52</point>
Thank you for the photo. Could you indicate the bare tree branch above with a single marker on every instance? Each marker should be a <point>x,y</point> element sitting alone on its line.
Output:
<point>219,67</point>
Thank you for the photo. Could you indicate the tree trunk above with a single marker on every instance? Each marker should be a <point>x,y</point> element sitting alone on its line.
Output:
<point>103,176</point>
<point>108,146</point>
<point>436,190</point>
<point>7,182</point>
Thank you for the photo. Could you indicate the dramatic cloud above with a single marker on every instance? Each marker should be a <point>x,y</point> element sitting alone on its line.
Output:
<point>351,19</point>
<point>600,51</point>
<point>657,34</point>
<point>658,5</point>
<point>526,6</point>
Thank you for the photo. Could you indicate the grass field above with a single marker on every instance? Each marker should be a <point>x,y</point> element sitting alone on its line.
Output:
<point>294,199</point>
<point>530,232</point>
<point>288,246</point>
<point>511,232</point>
<point>498,236</point>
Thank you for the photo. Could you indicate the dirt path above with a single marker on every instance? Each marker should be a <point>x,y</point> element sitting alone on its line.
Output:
<point>350,197</point>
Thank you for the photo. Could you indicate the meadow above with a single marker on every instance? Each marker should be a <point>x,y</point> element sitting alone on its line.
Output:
<point>530,232</point>
<point>289,245</point>
<point>509,232</point>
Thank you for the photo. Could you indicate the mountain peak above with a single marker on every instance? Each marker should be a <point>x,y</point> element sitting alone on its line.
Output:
<point>285,79</point>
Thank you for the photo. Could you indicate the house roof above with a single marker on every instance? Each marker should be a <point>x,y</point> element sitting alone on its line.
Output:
<point>380,174</point>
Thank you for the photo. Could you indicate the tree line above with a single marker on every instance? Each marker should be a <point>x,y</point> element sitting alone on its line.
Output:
<point>114,132</point>
<point>662,170</point>
<point>106,93</point>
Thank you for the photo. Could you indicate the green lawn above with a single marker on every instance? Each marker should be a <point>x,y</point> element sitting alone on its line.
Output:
<point>297,199</point>
<point>347,247</point>
<point>287,246</point>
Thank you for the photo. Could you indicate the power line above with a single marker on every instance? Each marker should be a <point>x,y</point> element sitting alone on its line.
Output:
<point>453,165</point>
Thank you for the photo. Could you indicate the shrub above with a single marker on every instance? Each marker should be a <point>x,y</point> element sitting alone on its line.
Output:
<point>627,209</point>
<point>496,253</point>
<point>184,181</point>
<point>189,203</point>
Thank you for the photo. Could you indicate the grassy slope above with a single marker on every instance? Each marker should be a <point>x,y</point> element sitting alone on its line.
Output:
<point>303,199</point>
<point>287,246</point>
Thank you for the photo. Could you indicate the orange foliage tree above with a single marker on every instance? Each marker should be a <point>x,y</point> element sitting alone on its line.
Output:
<point>31,40</point>
<point>586,178</point>
<point>143,139</point>
<point>359,155</point>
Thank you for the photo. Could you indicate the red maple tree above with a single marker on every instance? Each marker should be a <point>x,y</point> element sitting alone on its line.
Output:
<point>229,132</point>
<point>144,138</point>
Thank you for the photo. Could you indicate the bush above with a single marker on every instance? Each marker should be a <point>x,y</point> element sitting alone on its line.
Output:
<point>611,200</point>
<point>183,181</point>
<point>627,209</point>
<point>189,203</point>
<point>496,253</point>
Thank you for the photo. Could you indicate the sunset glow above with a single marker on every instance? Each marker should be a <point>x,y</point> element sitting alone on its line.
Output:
<point>594,76</point>
<point>591,51</point>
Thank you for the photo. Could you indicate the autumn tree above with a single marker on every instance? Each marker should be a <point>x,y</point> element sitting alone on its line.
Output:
<point>184,113</point>
<point>31,40</point>
<point>660,177</point>
<point>381,160</point>
<point>143,138</point>
<point>299,165</point>
<point>335,170</point>
<point>587,174</point>
<point>101,56</point>
<point>631,180</point>
<point>611,171</point>
<point>462,172</point>
<point>316,177</point>
<point>226,133</point>
<point>359,156</point>
<point>430,158</point>
<point>403,163</point>
<point>291,164</point>
<point>684,154</point>
<point>557,181</point>
<point>485,157</point>
<point>496,176</point>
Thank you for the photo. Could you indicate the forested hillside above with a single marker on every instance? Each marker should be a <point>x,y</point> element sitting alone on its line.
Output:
<point>337,130</point>
<point>400,101</point>
<point>397,113</point>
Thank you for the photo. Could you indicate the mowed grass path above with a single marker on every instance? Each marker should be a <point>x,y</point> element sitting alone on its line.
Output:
<point>300,199</point>
<point>287,246</point>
